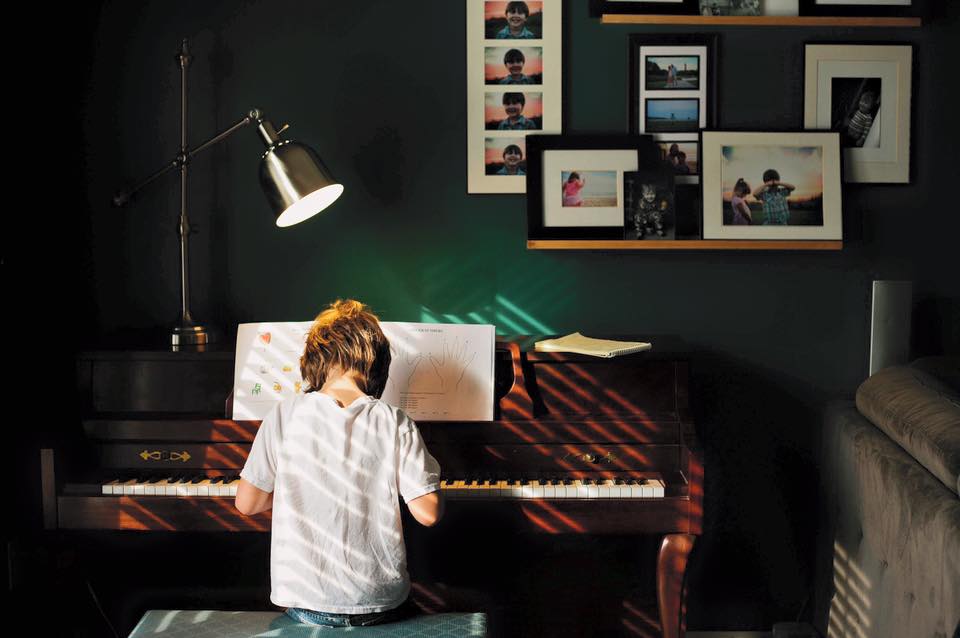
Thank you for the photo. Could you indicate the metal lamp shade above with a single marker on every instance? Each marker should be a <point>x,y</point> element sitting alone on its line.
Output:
<point>296,183</point>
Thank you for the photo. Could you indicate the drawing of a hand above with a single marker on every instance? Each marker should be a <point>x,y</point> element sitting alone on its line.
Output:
<point>412,361</point>
<point>452,363</point>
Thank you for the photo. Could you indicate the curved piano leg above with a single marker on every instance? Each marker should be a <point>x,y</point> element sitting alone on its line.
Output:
<point>671,567</point>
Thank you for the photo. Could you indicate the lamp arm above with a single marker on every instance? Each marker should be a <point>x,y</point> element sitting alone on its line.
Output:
<point>122,197</point>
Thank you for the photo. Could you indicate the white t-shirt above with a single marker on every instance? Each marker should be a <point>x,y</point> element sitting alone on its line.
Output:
<point>337,540</point>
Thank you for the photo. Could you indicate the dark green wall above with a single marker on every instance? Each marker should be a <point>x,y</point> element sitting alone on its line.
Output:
<point>378,88</point>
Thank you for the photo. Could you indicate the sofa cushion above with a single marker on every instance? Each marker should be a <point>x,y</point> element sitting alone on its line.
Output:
<point>918,406</point>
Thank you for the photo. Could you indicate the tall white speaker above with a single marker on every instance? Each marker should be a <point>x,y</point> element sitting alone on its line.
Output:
<point>890,309</point>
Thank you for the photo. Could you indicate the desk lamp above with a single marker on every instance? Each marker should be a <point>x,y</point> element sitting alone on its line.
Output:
<point>294,179</point>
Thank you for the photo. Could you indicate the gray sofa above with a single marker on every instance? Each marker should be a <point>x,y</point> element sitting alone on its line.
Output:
<point>889,551</point>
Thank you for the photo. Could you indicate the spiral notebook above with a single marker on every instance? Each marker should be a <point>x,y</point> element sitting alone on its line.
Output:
<point>579,344</point>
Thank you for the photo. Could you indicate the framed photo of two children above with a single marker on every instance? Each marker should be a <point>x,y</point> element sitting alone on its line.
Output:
<point>514,59</point>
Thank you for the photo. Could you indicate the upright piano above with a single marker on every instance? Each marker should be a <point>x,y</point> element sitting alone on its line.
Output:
<point>580,446</point>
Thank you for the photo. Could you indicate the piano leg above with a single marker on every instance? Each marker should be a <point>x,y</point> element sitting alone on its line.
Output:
<point>671,567</point>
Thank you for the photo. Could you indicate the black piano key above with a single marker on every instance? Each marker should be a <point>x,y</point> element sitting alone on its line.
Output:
<point>197,478</point>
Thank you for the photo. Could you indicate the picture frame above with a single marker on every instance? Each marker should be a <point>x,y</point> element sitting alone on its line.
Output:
<point>685,160</point>
<point>854,8</point>
<point>514,88</point>
<point>650,85</point>
<point>668,7</point>
<point>560,208</point>
<point>771,185</point>
<point>864,91</point>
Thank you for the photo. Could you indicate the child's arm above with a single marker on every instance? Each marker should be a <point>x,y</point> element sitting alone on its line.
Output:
<point>759,189</point>
<point>789,187</point>
<point>252,500</point>
<point>427,509</point>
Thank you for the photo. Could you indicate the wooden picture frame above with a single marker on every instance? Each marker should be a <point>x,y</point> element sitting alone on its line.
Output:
<point>506,102</point>
<point>836,78</point>
<point>854,8</point>
<point>791,179</point>
<point>655,7</point>
<point>600,161</point>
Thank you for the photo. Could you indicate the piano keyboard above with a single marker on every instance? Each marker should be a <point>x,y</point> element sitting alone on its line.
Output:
<point>453,489</point>
<point>553,488</point>
<point>173,486</point>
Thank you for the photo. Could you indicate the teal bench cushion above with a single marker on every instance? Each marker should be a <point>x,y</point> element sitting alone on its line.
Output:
<point>179,623</point>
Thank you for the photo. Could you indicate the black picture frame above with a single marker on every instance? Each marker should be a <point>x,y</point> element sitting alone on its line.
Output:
<point>537,145</point>
<point>637,92</point>
<point>811,8</point>
<point>600,7</point>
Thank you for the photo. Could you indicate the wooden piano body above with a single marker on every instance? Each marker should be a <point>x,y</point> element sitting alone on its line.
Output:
<point>580,447</point>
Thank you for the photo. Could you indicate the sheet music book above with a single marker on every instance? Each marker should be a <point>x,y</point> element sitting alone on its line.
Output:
<point>438,372</point>
<point>579,344</point>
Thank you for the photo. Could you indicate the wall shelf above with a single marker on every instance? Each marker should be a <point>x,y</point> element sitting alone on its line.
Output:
<point>754,21</point>
<point>689,244</point>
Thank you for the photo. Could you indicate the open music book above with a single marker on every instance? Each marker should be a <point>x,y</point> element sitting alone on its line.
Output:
<point>579,344</point>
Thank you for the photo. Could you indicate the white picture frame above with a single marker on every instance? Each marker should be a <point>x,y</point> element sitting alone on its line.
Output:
<point>542,100</point>
<point>886,159</point>
<point>800,158</point>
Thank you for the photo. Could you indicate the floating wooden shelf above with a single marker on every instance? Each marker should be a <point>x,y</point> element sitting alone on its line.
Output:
<point>754,21</point>
<point>689,244</point>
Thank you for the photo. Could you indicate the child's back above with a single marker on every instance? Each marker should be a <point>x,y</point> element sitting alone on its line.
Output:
<point>336,471</point>
<point>332,463</point>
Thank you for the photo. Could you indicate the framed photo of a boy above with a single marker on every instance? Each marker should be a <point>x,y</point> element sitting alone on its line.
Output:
<point>514,87</point>
<point>759,185</point>
<point>863,93</point>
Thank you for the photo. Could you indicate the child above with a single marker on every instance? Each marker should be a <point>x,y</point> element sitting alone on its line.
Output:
<point>572,188</point>
<point>741,210</point>
<point>774,195</point>
<point>513,104</point>
<point>512,156</point>
<point>681,167</point>
<point>331,462</point>
<point>514,61</point>
<point>858,126</point>
<point>517,14</point>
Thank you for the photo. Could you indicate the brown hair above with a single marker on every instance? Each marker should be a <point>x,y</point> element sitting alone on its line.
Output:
<point>346,335</point>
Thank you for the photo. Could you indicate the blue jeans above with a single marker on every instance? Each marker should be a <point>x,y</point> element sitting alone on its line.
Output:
<point>324,619</point>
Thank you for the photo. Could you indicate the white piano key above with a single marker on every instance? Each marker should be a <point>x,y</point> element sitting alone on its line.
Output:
<point>538,489</point>
<point>605,489</point>
<point>549,491</point>
<point>516,489</point>
<point>107,488</point>
<point>150,489</point>
<point>526,489</point>
<point>658,488</point>
<point>582,491</point>
<point>138,489</point>
<point>636,490</point>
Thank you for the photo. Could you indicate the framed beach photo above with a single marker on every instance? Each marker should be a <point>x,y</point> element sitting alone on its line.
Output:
<point>878,8</point>
<point>576,185</point>
<point>514,56</point>
<point>670,7</point>
<point>760,185</point>
<point>862,91</point>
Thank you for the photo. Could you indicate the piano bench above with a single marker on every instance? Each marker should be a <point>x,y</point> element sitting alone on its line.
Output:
<point>181,623</point>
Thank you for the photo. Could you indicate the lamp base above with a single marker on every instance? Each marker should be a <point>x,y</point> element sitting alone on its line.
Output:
<point>190,335</point>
